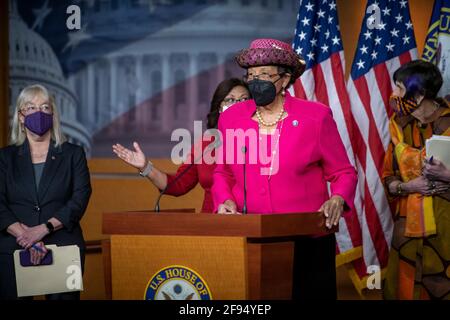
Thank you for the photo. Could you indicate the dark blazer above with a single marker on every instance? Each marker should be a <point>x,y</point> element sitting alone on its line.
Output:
<point>63,193</point>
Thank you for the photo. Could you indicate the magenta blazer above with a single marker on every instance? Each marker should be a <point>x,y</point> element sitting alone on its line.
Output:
<point>311,153</point>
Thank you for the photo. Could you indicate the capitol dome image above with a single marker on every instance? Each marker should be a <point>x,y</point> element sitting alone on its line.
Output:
<point>32,61</point>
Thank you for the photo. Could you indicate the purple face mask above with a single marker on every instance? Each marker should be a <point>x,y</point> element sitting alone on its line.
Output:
<point>39,122</point>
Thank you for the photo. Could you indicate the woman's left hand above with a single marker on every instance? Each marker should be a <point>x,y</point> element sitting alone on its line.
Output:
<point>32,235</point>
<point>436,170</point>
<point>332,210</point>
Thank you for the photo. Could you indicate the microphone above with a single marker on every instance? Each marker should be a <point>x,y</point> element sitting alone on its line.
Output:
<point>244,207</point>
<point>212,145</point>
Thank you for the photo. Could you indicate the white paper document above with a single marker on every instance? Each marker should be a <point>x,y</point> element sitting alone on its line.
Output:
<point>439,148</point>
<point>63,275</point>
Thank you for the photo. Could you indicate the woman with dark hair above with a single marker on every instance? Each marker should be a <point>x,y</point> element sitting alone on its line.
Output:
<point>418,188</point>
<point>227,93</point>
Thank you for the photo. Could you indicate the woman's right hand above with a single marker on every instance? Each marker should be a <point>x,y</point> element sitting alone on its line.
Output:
<point>16,229</point>
<point>418,185</point>
<point>228,207</point>
<point>134,158</point>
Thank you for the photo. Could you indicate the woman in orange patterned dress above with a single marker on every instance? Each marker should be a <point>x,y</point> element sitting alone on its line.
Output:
<point>418,188</point>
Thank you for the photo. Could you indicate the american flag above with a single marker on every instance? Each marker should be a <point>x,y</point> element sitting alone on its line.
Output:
<point>360,108</point>
<point>386,41</point>
<point>318,40</point>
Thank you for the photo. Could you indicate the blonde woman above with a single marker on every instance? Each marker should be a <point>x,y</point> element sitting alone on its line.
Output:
<point>44,187</point>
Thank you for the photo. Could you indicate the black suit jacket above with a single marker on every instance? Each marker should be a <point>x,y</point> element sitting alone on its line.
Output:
<point>63,193</point>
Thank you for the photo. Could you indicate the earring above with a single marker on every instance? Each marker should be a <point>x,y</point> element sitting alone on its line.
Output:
<point>283,92</point>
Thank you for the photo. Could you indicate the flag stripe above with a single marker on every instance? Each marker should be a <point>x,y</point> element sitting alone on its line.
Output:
<point>384,85</point>
<point>299,91</point>
<point>321,86</point>
<point>378,109</point>
<point>307,81</point>
<point>406,57</point>
<point>374,141</point>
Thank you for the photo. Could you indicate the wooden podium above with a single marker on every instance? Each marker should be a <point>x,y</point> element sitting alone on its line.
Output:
<point>238,256</point>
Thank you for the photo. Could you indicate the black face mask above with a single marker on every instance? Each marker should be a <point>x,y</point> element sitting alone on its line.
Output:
<point>262,91</point>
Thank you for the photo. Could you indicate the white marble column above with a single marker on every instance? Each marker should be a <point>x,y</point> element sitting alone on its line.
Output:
<point>84,97</point>
<point>129,87</point>
<point>91,95</point>
<point>105,108</point>
<point>139,65</point>
<point>99,92</point>
<point>221,58</point>
<point>167,101</point>
<point>71,82</point>
<point>140,91</point>
<point>81,93</point>
<point>114,103</point>
<point>132,85</point>
<point>193,88</point>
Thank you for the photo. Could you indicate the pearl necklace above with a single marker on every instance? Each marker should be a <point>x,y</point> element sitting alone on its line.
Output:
<point>274,151</point>
<point>269,124</point>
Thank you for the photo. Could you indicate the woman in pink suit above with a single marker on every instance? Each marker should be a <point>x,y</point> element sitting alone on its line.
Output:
<point>301,151</point>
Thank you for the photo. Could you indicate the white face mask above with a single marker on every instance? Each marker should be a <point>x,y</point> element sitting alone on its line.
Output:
<point>224,108</point>
<point>231,101</point>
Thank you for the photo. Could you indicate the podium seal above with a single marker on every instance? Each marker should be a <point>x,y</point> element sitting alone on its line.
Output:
<point>177,283</point>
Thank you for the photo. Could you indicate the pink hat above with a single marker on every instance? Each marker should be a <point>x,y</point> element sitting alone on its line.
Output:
<point>267,52</point>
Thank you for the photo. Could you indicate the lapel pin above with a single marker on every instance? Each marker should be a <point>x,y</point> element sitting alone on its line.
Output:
<point>53,158</point>
<point>295,123</point>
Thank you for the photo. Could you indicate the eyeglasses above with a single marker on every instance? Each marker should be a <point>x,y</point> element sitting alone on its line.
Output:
<point>262,76</point>
<point>229,101</point>
<point>32,108</point>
